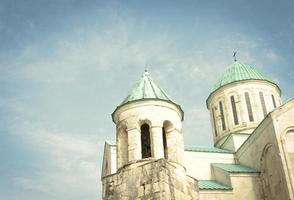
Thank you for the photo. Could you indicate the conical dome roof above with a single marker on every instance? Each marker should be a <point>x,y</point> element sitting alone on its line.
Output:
<point>146,89</point>
<point>238,71</point>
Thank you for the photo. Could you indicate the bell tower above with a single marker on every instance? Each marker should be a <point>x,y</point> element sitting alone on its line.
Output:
<point>148,125</point>
<point>149,147</point>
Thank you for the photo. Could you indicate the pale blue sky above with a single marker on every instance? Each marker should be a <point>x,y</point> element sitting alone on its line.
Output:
<point>66,64</point>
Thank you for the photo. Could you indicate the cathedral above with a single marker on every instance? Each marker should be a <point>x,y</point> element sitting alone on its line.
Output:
<point>252,157</point>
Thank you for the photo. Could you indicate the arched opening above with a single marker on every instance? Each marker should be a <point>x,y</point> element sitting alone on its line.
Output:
<point>222,116</point>
<point>249,108</point>
<point>274,101</point>
<point>271,174</point>
<point>262,104</point>
<point>164,143</point>
<point>213,122</point>
<point>289,144</point>
<point>145,141</point>
<point>170,141</point>
<point>235,115</point>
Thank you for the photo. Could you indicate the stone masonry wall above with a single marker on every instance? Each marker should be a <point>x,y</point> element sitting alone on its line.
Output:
<point>150,179</point>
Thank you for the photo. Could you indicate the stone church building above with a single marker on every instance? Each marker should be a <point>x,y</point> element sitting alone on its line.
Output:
<point>252,157</point>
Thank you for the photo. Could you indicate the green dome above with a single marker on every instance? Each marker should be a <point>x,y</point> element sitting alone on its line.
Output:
<point>146,89</point>
<point>238,72</point>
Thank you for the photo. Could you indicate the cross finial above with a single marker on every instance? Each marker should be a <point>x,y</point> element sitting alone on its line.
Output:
<point>146,68</point>
<point>234,55</point>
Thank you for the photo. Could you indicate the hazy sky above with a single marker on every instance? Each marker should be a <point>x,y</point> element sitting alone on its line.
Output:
<point>66,64</point>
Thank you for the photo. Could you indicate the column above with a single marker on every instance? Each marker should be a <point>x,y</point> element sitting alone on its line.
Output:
<point>157,142</point>
<point>180,146</point>
<point>175,145</point>
<point>171,144</point>
<point>134,144</point>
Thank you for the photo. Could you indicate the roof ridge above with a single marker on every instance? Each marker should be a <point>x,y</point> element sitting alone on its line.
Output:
<point>235,167</point>
<point>211,149</point>
<point>144,88</point>
<point>152,87</point>
<point>213,185</point>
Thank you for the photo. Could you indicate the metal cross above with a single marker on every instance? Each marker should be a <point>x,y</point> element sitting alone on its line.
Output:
<point>234,55</point>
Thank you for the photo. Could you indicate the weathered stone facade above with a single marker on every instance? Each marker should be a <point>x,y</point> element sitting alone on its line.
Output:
<point>150,179</point>
<point>252,159</point>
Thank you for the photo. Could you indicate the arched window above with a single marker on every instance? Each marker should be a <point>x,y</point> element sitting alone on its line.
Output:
<point>262,104</point>
<point>289,146</point>
<point>249,108</point>
<point>272,173</point>
<point>222,115</point>
<point>145,141</point>
<point>274,102</point>
<point>213,121</point>
<point>171,144</point>
<point>164,143</point>
<point>235,115</point>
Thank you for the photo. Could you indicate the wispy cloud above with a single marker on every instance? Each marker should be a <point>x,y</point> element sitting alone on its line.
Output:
<point>75,158</point>
<point>73,164</point>
<point>28,183</point>
<point>273,56</point>
<point>61,88</point>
